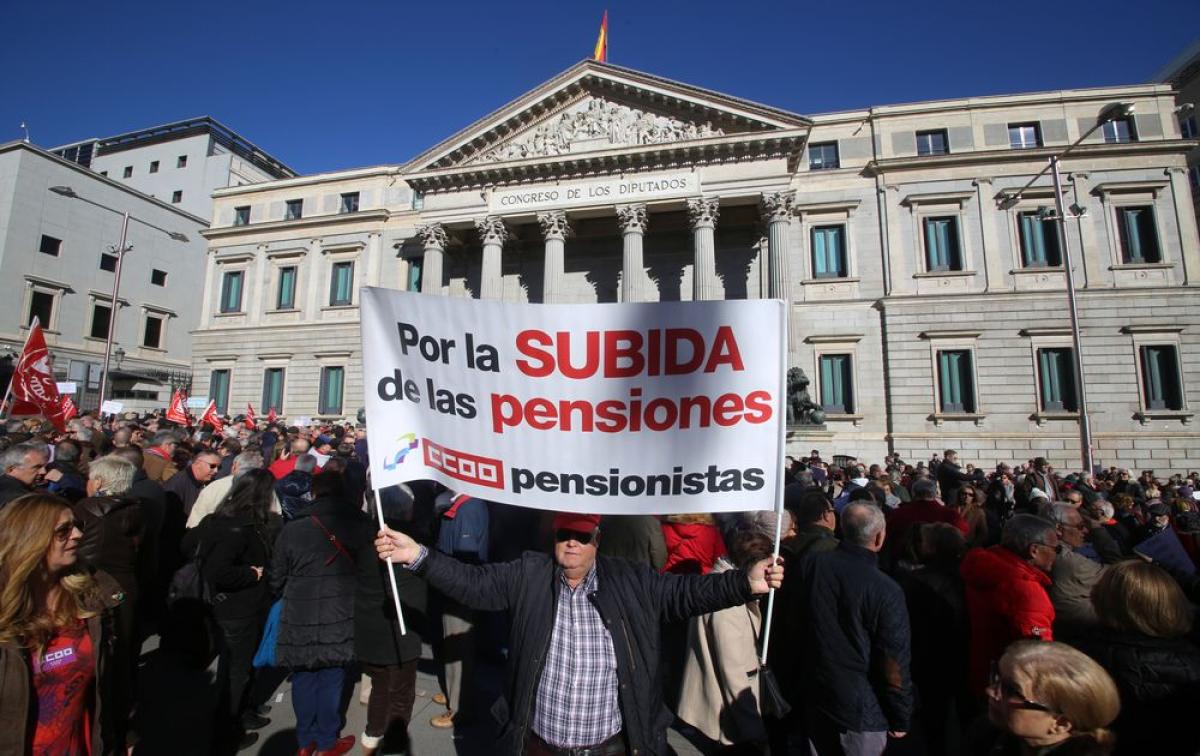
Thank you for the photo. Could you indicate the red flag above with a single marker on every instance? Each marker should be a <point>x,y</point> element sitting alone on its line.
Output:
<point>177,411</point>
<point>69,410</point>
<point>33,388</point>
<point>271,415</point>
<point>250,418</point>
<point>211,417</point>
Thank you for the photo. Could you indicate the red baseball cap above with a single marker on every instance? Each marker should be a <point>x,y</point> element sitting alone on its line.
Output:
<point>582,523</point>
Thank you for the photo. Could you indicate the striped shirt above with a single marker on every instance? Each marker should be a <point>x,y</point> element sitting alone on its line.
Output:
<point>577,703</point>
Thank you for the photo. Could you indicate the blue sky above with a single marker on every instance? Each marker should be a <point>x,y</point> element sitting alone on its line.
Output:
<point>330,85</point>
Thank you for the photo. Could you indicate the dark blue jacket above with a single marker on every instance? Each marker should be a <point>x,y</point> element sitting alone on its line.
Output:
<point>855,662</point>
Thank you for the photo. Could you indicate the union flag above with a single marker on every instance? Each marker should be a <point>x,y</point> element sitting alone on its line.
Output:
<point>34,390</point>
<point>271,415</point>
<point>69,410</point>
<point>211,417</point>
<point>251,420</point>
<point>177,411</point>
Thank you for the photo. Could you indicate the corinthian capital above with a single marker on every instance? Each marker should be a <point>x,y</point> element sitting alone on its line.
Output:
<point>703,212</point>
<point>433,235</point>
<point>632,219</point>
<point>492,230</point>
<point>777,206</point>
<point>554,225</point>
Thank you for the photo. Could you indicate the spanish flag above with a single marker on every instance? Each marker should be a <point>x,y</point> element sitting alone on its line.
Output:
<point>601,53</point>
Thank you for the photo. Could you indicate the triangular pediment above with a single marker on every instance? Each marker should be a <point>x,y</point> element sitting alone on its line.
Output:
<point>596,107</point>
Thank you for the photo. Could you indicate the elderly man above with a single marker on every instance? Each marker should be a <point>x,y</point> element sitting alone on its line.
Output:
<point>583,666</point>
<point>184,486</point>
<point>1073,575</point>
<point>1006,592</point>
<point>924,507</point>
<point>23,465</point>
<point>285,464</point>
<point>216,491</point>
<point>157,460</point>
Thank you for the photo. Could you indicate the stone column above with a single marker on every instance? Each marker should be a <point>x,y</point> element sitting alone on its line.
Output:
<point>1185,218</point>
<point>374,261</point>
<point>995,263</point>
<point>555,230</point>
<point>703,215</point>
<point>433,237</point>
<point>494,233</point>
<point>260,285</point>
<point>312,302</point>
<point>633,222</point>
<point>1090,250</point>
<point>777,213</point>
<point>210,283</point>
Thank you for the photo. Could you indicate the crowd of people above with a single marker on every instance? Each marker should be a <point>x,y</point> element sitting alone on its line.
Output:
<point>920,608</point>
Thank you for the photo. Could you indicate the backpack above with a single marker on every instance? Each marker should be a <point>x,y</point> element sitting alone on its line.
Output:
<point>464,530</point>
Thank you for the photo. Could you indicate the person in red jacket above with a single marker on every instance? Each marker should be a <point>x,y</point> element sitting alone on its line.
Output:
<point>1006,592</point>
<point>924,507</point>
<point>694,544</point>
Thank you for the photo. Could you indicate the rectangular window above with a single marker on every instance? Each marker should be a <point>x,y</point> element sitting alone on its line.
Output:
<point>231,291</point>
<point>1056,374</point>
<point>50,246</point>
<point>956,381</point>
<point>241,215</point>
<point>177,196</point>
<point>1187,127</point>
<point>1139,237</point>
<point>349,203</point>
<point>154,166</point>
<point>1162,388</point>
<point>331,391</point>
<point>932,142</point>
<point>158,277</point>
<point>152,333</point>
<point>218,389</point>
<point>829,252</point>
<point>181,161</point>
<point>1120,130</point>
<point>941,244</point>
<point>272,395</point>
<point>823,156</point>
<point>295,210</point>
<point>108,262</point>
<point>100,316</point>
<point>286,298</point>
<point>414,274</point>
<point>341,284</point>
<point>41,306</point>
<point>1039,241</point>
<point>128,172</point>
<point>1023,136</point>
<point>837,387</point>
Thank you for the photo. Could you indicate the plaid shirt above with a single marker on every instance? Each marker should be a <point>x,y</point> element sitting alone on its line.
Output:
<point>577,702</point>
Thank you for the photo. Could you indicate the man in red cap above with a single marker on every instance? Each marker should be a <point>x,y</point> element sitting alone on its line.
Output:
<point>585,641</point>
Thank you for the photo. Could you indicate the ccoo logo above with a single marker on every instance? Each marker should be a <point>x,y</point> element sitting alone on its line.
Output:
<point>410,443</point>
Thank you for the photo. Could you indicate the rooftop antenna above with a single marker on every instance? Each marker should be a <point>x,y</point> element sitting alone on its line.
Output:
<point>26,130</point>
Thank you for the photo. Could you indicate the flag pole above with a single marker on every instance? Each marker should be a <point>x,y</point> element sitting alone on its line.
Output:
<point>780,484</point>
<point>5,407</point>
<point>391,568</point>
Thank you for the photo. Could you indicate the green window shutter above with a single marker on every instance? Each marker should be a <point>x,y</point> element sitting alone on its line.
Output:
<point>331,391</point>
<point>231,292</point>
<point>836,384</point>
<point>957,381</point>
<point>287,289</point>
<point>829,256</point>
<point>414,274</point>
<point>1160,377</point>
<point>934,251</point>
<point>218,389</point>
<point>1131,243</point>
<point>341,284</point>
<point>272,390</point>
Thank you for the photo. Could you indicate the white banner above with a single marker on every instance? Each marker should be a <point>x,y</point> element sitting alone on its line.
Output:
<point>609,409</point>
<point>109,407</point>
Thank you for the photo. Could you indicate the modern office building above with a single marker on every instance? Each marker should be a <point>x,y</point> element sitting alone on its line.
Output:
<point>928,301</point>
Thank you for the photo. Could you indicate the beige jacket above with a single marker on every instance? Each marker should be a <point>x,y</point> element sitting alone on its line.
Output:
<point>211,497</point>
<point>719,691</point>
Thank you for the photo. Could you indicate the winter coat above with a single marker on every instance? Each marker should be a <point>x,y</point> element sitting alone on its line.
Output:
<point>950,478</point>
<point>377,638</point>
<point>1159,682</point>
<point>18,699</point>
<point>294,491</point>
<point>112,534</point>
<point>638,538</point>
<point>11,488</point>
<point>231,546</point>
<point>692,546</point>
<point>901,521</point>
<point>157,465</point>
<point>633,600</point>
<point>182,490</point>
<point>1006,601</point>
<point>854,659</point>
<point>1073,577</point>
<point>317,583</point>
<point>719,692</point>
<point>937,608</point>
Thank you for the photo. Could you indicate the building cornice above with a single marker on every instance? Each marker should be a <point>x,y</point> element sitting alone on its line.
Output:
<point>978,157</point>
<point>334,219</point>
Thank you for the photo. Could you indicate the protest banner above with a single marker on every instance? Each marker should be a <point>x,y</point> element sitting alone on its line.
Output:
<point>647,408</point>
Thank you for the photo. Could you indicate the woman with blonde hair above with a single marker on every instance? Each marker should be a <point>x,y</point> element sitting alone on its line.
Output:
<point>1143,642</point>
<point>56,627</point>
<point>1050,699</point>
<point>968,501</point>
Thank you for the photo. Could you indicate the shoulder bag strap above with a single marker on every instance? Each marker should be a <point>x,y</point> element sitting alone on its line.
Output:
<point>333,540</point>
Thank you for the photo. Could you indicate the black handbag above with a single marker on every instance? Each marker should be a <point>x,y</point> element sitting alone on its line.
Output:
<point>771,701</point>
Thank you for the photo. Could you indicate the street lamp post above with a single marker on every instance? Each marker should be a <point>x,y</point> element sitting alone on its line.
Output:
<point>1110,113</point>
<point>122,247</point>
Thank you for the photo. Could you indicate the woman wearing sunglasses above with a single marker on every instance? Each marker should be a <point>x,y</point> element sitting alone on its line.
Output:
<point>1051,700</point>
<point>56,637</point>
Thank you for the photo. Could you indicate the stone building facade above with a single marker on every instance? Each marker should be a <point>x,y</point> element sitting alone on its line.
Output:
<point>928,306</point>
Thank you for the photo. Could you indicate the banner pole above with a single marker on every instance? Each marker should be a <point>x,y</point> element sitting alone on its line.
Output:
<point>779,485</point>
<point>391,567</point>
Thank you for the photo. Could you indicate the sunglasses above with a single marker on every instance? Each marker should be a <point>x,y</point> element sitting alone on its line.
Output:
<point>63,532</point>
<point>1008,691</point>
<point>563,535</point>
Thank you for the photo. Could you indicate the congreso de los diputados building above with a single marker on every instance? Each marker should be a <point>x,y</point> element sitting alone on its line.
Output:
<point>927,293</point>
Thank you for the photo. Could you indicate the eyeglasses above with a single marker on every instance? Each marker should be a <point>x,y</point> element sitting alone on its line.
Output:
<point>566,534</point>
<point>63,532</point>
<point>1007,691</point>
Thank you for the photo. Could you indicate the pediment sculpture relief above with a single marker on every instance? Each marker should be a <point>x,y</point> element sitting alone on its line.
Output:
<point>597,125</point>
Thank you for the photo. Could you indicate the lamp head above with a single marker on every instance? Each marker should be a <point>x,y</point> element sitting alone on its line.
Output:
<point>1114,111</point>
<point>65,191</point>
<point>177,236</point>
